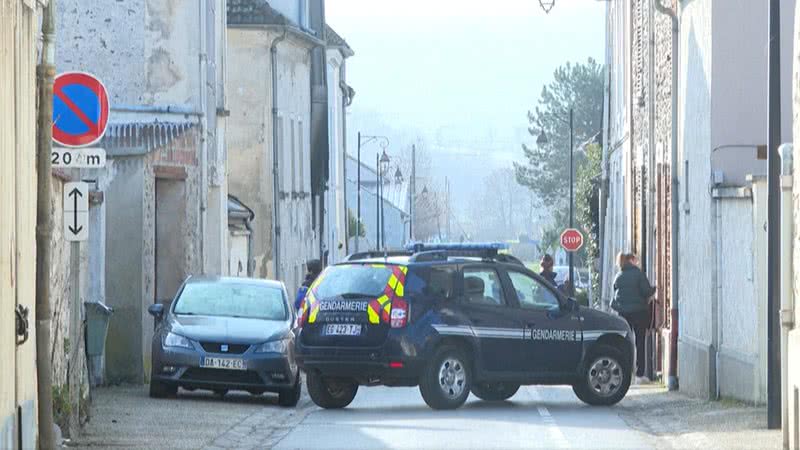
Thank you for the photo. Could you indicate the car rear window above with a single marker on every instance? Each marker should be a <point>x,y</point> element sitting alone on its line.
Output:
<point>232,300</point>
<point>353,280</point>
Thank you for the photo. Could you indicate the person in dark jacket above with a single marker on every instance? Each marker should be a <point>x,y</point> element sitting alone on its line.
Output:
<point>632,292</point>
<point>313,269</point>
<point>547,269</point>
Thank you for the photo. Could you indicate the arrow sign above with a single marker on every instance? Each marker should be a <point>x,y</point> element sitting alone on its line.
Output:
<point>76,212</point>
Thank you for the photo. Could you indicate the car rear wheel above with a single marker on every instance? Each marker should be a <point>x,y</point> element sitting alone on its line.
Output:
<point>330,393</point>
<point>605,377</point>
<point>291,396</point>
<point>445,383</point>
<point>162,390</point>
<point>495,392</point>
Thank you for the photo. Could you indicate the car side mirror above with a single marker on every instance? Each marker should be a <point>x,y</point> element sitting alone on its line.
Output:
<point>156,310</point>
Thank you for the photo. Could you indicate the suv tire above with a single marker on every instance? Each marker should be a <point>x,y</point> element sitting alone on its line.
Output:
<point>330,393</point>
<point>495,392</point>
<point>289,397</point>
<point>605,377</point>
<point>446,381</point>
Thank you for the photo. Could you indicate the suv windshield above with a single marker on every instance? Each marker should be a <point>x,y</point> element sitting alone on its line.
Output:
<point>232,300</point>
<point>354,280</point>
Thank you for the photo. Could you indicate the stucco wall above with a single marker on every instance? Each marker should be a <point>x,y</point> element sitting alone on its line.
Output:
<point>17,220</point>
<point>792,393</point>
<point>250,149</point>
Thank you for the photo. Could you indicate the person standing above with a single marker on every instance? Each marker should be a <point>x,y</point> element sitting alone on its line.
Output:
<point>547,269</point>
<point>313,269</point>
<point>632,292</point>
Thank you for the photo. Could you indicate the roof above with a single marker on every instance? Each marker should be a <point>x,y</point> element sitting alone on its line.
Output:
<point>254,12</point>
<point>141,137</point>
<point>234,280</point>
<point>334,40</point>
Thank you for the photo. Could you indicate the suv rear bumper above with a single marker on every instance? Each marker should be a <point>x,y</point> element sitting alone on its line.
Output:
<point>388,364</point>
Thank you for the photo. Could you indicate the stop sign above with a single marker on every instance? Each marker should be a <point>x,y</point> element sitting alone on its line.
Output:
<point>571,240</point>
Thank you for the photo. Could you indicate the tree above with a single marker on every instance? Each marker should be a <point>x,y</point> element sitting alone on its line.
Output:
<point>503,209</point>
<point>546,170</point>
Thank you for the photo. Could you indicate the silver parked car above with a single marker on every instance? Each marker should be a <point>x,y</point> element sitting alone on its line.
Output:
<point>225,334</point>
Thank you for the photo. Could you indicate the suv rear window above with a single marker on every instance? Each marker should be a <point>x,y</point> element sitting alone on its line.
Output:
<point>353,280</point>
<point>431,281</point>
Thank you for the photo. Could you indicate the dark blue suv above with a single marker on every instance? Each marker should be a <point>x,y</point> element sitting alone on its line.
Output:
<point>454,319</point>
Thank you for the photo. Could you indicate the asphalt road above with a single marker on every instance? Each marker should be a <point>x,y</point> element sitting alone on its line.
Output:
<point>397,418</point>
<point>536,417</point>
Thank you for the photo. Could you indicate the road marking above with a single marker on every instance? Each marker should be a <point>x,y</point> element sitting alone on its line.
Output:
<point>556,435</point>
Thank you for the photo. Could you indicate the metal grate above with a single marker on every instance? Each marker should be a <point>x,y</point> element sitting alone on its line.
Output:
<point>216,347</point>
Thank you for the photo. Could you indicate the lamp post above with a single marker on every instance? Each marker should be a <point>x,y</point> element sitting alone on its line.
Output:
<point>382,159</point>
<point>364,140</point>
<point>542,140</point>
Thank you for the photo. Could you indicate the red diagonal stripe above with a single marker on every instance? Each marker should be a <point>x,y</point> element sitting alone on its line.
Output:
<point>75,109</point>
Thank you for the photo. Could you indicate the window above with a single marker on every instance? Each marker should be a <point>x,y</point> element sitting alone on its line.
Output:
<point>531,293</point>
<point>431,281</point>
<point>232,300</point>
<point>353,280</point>
<point>483,287</point>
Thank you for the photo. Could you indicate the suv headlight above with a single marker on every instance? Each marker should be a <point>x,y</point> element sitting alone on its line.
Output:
<point>175,340</point>
<point>278,346</point>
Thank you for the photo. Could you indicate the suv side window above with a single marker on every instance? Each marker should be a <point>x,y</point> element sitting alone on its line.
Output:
<point>532,293</point>
<point>431,281</point>
<point>482,286</point>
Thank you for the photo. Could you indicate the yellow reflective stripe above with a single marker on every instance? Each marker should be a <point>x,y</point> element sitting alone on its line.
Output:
<point>383,299</point>
<point>313,316</point>
<point>393,281</point>
<point>404,269</point>
<point>387,307</point>
<point>379,266</point>
<point>399,290</point>
<point>373,316</point>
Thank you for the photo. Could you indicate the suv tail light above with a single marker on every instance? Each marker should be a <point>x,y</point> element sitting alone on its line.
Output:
<point>399,316</point>
<point>302,317</point>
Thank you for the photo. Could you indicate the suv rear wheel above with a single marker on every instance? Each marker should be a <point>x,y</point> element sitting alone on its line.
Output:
<point>446,381</point>
<point>330,393</point>
<point>605,377</point>
<point>495,392</point>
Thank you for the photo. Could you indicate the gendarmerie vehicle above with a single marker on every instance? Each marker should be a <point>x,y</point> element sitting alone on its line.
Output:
<point>454,319</point>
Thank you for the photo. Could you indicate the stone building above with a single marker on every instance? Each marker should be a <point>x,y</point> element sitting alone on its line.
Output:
<point>163,214</point>
<point>722,120</point>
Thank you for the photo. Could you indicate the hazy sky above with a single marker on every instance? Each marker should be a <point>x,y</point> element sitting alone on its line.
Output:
<point>464,73</point>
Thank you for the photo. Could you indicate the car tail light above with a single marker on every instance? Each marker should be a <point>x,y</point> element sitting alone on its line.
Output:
<point>399,317</point>
<point>302,317</point>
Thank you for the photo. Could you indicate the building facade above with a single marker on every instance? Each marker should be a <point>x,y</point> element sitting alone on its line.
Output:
<point>19,32</point>
<point>721,193</point>
<point>163,214</point>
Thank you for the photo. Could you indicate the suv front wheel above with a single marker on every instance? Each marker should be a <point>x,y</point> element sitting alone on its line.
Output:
<point>330,393</point>
<point>446,381</point>
<point>604,378</point>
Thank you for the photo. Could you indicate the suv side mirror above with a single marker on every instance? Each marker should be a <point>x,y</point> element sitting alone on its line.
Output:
<point>156,310</point>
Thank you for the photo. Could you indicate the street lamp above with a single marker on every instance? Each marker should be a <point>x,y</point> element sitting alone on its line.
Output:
<point>542,140</point>
<point>380,161</point>
<point>364,140</point>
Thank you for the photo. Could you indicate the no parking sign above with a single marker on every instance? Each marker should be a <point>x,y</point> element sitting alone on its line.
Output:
<point>80,109</point>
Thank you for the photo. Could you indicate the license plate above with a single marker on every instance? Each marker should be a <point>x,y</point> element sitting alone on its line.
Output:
<point>339,329</point>
<point>222,363</point>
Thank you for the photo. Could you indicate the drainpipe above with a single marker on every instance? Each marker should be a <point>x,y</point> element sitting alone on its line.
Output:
<point>248,225</point>
<point>203,59</point>
<point>276,230</point>
<point>44,227</point>
<point>672,380</point>
<point>787,269</point>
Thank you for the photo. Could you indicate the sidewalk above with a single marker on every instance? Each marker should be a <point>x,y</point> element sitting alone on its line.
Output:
<point>678,421</point>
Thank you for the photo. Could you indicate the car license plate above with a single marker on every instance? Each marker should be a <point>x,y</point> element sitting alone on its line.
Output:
<point>340,329</point>
<point>222,363</point>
